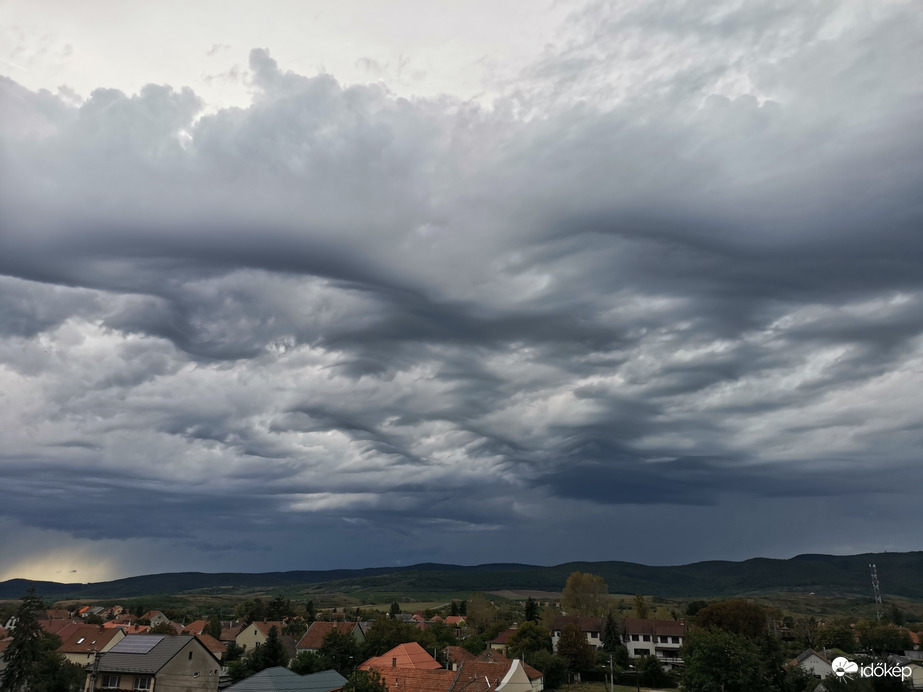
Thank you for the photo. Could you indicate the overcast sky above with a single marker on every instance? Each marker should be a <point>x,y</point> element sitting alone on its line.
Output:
<point>306,285</point>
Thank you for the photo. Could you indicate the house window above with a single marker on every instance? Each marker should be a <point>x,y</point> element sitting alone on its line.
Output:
<point>634,638</point>
<point>142,683</point>
<point>109,682</point>
<point>675,640</point>
<point>190,655</point>
<point>647,637</point>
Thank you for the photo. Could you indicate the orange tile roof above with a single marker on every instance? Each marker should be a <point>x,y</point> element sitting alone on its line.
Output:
<point>264,627</point>
<point>313,639</point>
<point>455,620</point>
<point>196,627</point>
<point>86,638</point>
<point>412,680</point>
<point>60,627</point>
<point>408,656</point>
<point>212,644</point>
<point>135,629</point>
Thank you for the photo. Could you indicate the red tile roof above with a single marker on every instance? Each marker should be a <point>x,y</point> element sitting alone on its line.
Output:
<point>504,636</point>
<point>197,626</point>
<point>86,639</point>
<point>135,629</point>
<point>410,655</point>
<point>412,680</point>
<point>313,639</point>
<point>455,620</point>
<point>212,644</point>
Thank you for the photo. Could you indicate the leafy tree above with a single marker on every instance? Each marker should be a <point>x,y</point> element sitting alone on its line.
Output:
<point>882,637</point>
<point>474,644</point>
<point>836,635</point>
<point>94,619</point>
<point>531,610</point>
<point>651,672</point>
<point>584,595</point>
<point>213,627</point>
<point>573,646</point>
<point>527,639</point>
<point>385,634</point>
<point>620,657</point>
<point>718,660</point>
<point>553,667</point>
<point>295,628</point>
<point>736,616</point>
<point>164,627</point>
<point>612,639</point>
<point>395,609</point>
<point>307,662</point>
<point>365,681</point>
<point>481,613</point>
<point>642,609</point>
<point>341,650</point>
<point>437,636</point>
<point>453,608</point>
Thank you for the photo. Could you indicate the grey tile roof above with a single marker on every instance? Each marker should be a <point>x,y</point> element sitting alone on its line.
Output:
<point>283,680</point>
<point>122,658</point>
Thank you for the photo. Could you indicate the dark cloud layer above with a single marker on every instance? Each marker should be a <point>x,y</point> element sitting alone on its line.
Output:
<point>672,277</point>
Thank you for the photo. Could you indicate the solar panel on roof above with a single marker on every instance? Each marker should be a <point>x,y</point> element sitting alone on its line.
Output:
<point>137,644</point>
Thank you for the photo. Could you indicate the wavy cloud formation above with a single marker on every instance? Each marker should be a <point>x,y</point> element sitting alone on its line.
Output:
<point>673,275</point>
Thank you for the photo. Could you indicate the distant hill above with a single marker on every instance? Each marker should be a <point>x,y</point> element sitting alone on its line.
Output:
<point>901,574</point>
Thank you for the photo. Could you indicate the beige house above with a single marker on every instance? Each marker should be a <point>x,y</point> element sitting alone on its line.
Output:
<point>156,663</point>
<point>255,634</point>
<point>81,643</point>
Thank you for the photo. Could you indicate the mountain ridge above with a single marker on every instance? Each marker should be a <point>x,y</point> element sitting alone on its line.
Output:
<point>901,574</point>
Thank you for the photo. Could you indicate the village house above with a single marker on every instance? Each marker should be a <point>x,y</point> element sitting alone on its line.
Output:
<point>660,638</point>
<point>591,627</point>
<point>159,663</point>
<point>255,634</point>
<point>313,639</point>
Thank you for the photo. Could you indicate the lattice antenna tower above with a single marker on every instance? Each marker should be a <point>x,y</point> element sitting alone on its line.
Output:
<point>879,608</point>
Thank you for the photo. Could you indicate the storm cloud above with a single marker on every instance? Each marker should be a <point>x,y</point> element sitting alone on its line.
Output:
<point>668,286</point>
